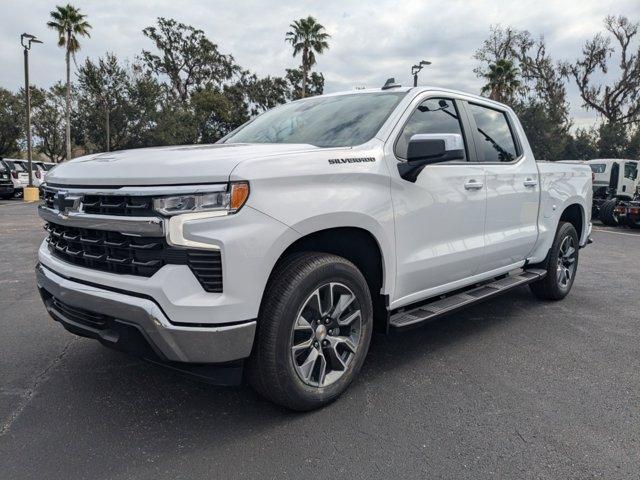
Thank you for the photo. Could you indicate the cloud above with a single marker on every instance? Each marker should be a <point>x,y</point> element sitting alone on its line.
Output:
<point>371,41</point>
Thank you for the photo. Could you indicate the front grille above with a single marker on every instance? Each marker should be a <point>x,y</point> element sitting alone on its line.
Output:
<point>117,253</point>
<point>119,205</point>
<point>48,198</point>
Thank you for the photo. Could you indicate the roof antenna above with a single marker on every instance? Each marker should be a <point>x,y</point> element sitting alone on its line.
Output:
<point>390,83</point>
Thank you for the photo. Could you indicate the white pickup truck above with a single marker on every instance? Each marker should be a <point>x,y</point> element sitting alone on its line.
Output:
<point>276,252</point>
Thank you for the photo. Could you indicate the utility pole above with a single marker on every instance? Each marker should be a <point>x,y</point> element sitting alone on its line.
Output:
<point>27,91</point>
<point>416,69</point>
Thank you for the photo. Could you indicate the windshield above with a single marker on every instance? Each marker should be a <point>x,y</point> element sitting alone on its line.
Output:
<point>598,167</point>
<point>334,121</point>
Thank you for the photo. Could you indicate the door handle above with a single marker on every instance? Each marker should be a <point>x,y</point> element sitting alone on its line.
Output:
<point>473,185</point>
<point>530,182</point>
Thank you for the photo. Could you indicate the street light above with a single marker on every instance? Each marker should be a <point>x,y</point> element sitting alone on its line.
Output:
<point>416,69</point>
<point>26,39</point>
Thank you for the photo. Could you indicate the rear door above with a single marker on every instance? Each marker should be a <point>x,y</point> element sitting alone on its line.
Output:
<point>512,187</point>
<point>439,218</point>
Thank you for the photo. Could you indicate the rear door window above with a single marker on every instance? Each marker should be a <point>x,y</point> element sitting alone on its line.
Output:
<point>631,170</point>
<point>494,139</point>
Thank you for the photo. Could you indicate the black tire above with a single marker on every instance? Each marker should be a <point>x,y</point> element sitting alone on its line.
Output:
<point>607,214</point>
<point>551,287</point>
<point>271,371</point>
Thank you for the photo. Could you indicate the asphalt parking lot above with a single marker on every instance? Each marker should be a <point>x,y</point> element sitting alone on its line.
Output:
<point>514,388</point>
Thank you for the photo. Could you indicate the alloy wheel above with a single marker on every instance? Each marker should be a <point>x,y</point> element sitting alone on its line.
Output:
<point>567,256</point>
<point>326,334</point>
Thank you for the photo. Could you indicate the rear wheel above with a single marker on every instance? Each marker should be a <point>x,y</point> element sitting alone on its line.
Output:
<point>314,331</point>
<point>607,212</point>
<point>561,265</point>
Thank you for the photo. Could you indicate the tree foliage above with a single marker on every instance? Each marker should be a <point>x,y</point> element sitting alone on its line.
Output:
<point>49,122</point>
<point>186,57</point>
<point>12,122</point>
<point>619,101</point>
<point>503,81</point>
<point>103,101</point>
<point>69,24</point>
<point>308,38</point>
<point>295,78</point>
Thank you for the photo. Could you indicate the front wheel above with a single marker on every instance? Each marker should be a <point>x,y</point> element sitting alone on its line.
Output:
<point>561,265</point>
<point>314,330</point>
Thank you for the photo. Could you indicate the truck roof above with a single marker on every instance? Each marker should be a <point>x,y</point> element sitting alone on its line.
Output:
<point>416,90</point>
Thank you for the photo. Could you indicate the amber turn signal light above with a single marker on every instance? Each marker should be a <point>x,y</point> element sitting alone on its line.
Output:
<point>239,195</point>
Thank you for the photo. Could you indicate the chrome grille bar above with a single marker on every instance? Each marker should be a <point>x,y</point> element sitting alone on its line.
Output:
<point>136,226</point>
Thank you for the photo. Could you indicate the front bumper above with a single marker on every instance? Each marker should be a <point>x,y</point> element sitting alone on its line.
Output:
<point>138,325</point>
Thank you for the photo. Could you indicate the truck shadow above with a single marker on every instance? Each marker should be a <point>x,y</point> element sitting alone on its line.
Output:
<point>151,403</point>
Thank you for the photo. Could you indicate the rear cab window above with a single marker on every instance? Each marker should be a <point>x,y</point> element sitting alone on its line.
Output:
<point>598,167</point>
<point>494,137</point>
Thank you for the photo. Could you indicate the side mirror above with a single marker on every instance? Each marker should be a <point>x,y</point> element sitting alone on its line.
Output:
<point>428,148</point>
<point>435,148</point>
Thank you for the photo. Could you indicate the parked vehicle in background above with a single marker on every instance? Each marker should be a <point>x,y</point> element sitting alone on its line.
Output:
<point>282,246</point>
<point>615,180</point>
<point>19,175</point>
<point>6,185</point>
<point>40,169</point>
<point>627,212</point>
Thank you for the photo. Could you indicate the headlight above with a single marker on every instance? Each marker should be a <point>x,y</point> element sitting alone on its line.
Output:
<point>229,201</point>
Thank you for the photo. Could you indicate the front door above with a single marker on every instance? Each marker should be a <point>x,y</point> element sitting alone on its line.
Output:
<point>439,219</point>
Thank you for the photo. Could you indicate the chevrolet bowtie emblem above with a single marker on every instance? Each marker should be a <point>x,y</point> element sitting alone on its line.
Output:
<point>67,203</point>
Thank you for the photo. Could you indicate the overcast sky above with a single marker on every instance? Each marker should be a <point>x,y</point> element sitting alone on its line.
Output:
<point>370,42</point>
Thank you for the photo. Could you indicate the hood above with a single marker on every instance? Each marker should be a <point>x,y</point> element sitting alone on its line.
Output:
<point>165,165</point>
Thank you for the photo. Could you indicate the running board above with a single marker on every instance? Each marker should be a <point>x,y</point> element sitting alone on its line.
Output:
<point>407,318</point>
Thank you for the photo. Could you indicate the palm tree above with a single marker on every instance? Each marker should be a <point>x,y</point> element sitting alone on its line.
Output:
<point>307,36</point>
<point>502,81</point>
<point>70,24</point>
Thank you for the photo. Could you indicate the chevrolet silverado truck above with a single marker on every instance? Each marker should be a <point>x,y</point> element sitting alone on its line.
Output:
<point>273,254</point>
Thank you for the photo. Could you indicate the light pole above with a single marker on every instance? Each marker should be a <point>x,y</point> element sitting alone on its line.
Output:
<point>26,40</point>
<point>416,69</point>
